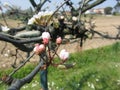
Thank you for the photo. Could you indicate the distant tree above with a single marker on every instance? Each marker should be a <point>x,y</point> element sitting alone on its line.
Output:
<point>117,7</point>
<point>108,10</point>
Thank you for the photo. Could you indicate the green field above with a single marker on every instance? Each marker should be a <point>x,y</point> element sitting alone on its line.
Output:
<point>96,69</point>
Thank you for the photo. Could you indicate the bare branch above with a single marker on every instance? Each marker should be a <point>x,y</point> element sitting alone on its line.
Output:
<point>18,83</point>
<point>33,3</point>
<point>97,2</point>
<point>105,35</point>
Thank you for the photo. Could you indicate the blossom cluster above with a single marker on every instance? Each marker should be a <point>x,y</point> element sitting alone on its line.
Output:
<point>39,48</point>
<point>37,18</point>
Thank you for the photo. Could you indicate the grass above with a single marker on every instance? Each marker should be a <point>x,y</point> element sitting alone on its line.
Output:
<point>96,69</point>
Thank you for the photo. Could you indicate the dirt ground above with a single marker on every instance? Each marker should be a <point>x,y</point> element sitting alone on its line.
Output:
<point>104,24</point>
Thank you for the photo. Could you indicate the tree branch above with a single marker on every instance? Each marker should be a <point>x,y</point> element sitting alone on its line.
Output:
<point>20,82</point>
<point>33,3</point>
<point>104,35</point>
<point>97,2</point>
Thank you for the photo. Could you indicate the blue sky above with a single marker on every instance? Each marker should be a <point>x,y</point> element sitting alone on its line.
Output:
<point>24,4</point>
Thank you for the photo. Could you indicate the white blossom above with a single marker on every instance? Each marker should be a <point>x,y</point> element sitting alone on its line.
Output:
<point>52,84</point>
<point>118,82</point>
<point>64,54</point>
<point>6,4</point>
<point>31,21</point>
<point>92,86</point>
<point>38,16</point>
<point>116,65</point>
<point>97,79</point>
<point>45,13</point>
<point>61,17</point>
<point>74,18</point>
<point>5,28</point>
<point>48,83</point>
<point>46,35</point>
<point>88,84</point>
<point>33,84</point>
<point>57,87</point>
<point>78,84</point>
<point>25,86</point>
<point>35,16</point>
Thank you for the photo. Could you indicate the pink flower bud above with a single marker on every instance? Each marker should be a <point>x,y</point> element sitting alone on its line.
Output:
<point>36,49</point>
<point>45,41</point>
<point>64,55</point>
<point>39,48</point>
<point>45,37</point>
<point>59,40</point>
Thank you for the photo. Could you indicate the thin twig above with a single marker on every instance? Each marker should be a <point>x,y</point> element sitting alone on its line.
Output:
<point>15,70</point>
<point>55,12</point>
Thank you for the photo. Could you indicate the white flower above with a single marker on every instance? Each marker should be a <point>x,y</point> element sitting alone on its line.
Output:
<point>35,16</point>
<point>48,83</point>
<point>38,16</point>
<point>74,18</point>
<point>61,17</point>
<point>5,28</point>
<point>88,84</point>
<point>50,88</point>
<point>31,21</point>
<point>118,82</point>
<point>45,35</point>
<point>33,84</point>
<point>116,65</point>
<point>36,82</point>
<point>97,79</point>
<point>78,84</point>
<point>47,13</point>
<point>6,4</point>
<point>92,86</point>
<point>25,86</point>
<point>64,54</point>
<point>52,84</point>
<point>57,87</point>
